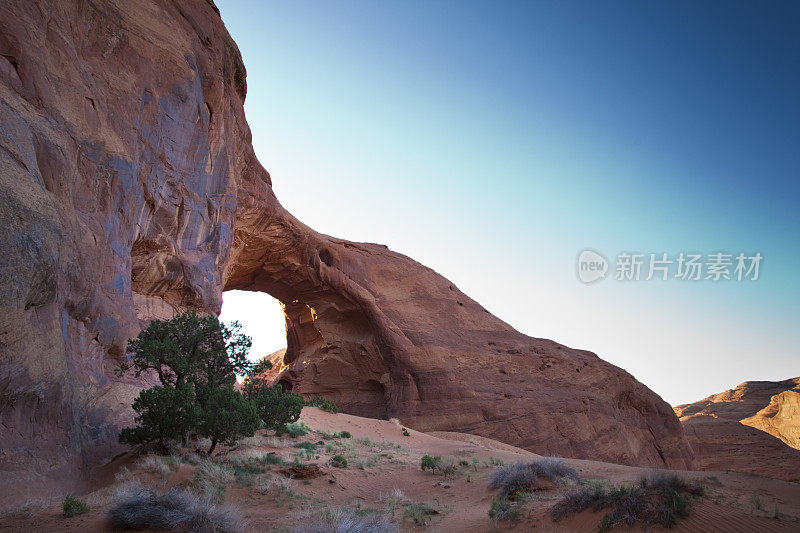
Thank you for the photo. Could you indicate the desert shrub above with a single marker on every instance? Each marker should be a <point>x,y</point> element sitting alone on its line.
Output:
<point>135,507</point>
<point>462,462</point>
<point>419,513</point>
<point>266,485</point>
<point>297,429</point>
<point>503,509</point>
<point>347,521</point>
<point>448,469</point>
<point>343,435</point>
<point>73,507</point>
<point>324,404</point>
<point>276,406</point>
<point>406,433</point>
<point>196,359</point>
<point>339,461</point>
<point>523,476</point>
<point>308,446</point>
<point>122,475</point>
<point>430,462</point>
<point>212,478</point>
<point>659,499</point>
<point>154,464</point>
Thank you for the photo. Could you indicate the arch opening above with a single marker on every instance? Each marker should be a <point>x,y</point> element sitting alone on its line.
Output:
<point>262,319</point>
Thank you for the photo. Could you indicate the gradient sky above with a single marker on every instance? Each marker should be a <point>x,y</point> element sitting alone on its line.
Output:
<point>493,141</point>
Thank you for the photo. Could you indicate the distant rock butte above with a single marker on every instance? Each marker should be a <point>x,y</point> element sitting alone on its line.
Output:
<point>129,190</point>
<point>753,428</point>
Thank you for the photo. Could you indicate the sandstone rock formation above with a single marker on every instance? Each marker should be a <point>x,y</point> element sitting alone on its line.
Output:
<point>752,428</point>
<point>129,189</point>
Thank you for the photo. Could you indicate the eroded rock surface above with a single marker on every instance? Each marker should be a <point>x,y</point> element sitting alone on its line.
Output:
<point>754,428</point>
<point>129,189</point>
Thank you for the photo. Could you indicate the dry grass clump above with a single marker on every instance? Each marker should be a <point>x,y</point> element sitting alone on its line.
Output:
<point>154,464</point>
<point>265,485</point>
<point>211,478</point>
<point>135,507</point>
<point>347,521</point>
<point>521,477</point>
<point>658,499</point>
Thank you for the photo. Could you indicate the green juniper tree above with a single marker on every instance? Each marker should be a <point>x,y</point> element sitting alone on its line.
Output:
<point>196,359</point>
<point>276,407</point>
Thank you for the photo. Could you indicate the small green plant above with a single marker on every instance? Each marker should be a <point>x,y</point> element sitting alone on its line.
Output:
<point>297,429</point>
<point>339,461</point>
<point>406,433</point>
<point>74,507</point>
<point>324,404</point>
<point>462,462</point>
<point>419,513</point>
<point>503,509</point>
<point>475,462</point>
<point>430,462</point>
<point>756,499</point>
<point>448,469</point>
<point>307,446</point>
<point>343,435</point>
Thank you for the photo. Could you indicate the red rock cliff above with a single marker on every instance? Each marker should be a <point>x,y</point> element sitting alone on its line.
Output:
<point>130,189</point>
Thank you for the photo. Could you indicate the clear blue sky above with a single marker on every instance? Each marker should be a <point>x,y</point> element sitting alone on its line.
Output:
<point>492,141</point>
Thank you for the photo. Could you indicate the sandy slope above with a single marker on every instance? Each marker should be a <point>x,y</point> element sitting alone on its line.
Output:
<point>391,461</point>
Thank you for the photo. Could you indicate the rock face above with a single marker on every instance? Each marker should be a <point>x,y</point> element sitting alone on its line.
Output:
<point>753,428</point>
<point>129,190</point>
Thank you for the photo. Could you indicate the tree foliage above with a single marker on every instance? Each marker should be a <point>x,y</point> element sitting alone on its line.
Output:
<point>276,407</point>
<point>196,359</point>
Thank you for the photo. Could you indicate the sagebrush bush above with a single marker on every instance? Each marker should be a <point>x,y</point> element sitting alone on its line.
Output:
<point>343,435</point>
<point>658,499</point>
<point>73,507</point>
<point>135,507</point>
<point>347,521</point>
<point>510,479</point>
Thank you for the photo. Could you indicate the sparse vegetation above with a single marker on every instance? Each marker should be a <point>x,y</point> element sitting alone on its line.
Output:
<point>448,469</point>
<point>406,433</point>
<point>212,478</point>
<point>346,520</point>
<point>297,429</point>
<point>430,463</point>
<point>339,461</point>
<point>268,484</point>
<point>154,464</point>
<point>73,507</point>
<point>419,513</point>
<point>509,480</point>
<point>135,508</point>
<point>503,509</point>
<point>343,435</point>
<point>658,499</point>
<point>324,404</point>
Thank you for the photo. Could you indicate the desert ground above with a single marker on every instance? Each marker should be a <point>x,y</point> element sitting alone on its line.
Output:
<point>383,474</point>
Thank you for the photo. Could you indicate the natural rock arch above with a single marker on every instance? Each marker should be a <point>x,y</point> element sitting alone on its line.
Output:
<point>129,190</point>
